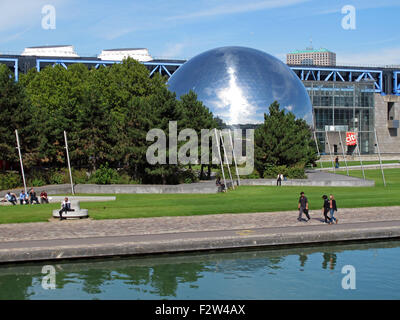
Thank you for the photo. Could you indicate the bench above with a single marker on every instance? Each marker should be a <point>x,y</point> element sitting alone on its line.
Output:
<point>77,214</point>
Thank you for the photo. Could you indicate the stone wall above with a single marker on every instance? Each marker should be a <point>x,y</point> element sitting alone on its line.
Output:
<point>389,139</point>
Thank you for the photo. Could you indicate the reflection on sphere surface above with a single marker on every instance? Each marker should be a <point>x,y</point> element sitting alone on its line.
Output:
<point>238,84</point>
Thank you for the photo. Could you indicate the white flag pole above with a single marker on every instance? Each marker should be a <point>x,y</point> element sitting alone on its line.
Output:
<point>226,159</point>
<point>69,165</point>
<point>220,158</point>
<point>20,160</point>
<point>234,158</point>
<point>330,153</point>
<point>380,160</point>
<point>344,157</point>
<point>359,155</point>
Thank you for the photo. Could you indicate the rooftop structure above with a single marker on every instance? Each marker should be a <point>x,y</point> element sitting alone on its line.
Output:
<point>51,51</point>
<point>139,54</point>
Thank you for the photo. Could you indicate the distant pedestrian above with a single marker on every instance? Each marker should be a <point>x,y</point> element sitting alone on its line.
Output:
<point>337,162</point>
<point>303,207</point>
<point>23,197</point>
<point>33,197</point>
<point>279,179</point>
<point>11,197</point>
<point>65,207</point>
<point>325,208</point>
<point>332,209</point>
<point>43,197</point>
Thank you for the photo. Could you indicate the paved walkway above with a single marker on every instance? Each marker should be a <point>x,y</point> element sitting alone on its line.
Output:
<point>88,238</point>
<point>68,229</point>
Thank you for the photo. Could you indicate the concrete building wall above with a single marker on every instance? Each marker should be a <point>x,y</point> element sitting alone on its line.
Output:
<point>387,111</point>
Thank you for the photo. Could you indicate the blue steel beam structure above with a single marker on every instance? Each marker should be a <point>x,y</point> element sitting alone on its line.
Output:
<point>154,66</point>
<point>396,82</point>
<point>310,73</point>
<point>15,65</point>
<point>340,74</point>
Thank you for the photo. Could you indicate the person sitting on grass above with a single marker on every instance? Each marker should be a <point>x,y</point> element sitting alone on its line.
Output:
<point>220,184</point>
<point>23,198</point>
<point>43,197</point>
<point>32,196</point>
<point>11,197</point>
<point>65,207</point>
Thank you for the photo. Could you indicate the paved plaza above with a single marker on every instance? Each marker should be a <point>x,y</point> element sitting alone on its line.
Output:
<point>94,238</point>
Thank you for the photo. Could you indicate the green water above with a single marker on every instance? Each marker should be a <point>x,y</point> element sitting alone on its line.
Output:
<point>297,273</point>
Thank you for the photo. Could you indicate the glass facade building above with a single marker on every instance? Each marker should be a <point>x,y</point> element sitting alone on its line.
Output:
<point>343,107</point>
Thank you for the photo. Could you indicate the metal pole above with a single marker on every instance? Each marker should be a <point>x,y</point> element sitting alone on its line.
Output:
<point>220,158</point>
<point>319,154</point>
<point>380,160</point>
<point>330,153</point>
<point>234,158</point>
<point>69,165</point>
<point>20,160</point>
<point>345,161</point>
<point>359,154</point>
<point>226,159</point>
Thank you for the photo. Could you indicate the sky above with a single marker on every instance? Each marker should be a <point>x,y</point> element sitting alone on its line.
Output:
<point>182,29</point>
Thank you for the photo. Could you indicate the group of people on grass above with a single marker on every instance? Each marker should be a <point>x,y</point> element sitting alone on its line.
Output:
<point>26,198</point>
<point>329,206</point>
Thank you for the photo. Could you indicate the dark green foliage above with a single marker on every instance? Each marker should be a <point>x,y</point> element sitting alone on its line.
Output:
<point>10,180</point>
<point>106,113</point>
<point>283,140</point>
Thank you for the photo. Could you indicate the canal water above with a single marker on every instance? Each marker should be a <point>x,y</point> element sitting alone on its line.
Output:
<point>367,270</point>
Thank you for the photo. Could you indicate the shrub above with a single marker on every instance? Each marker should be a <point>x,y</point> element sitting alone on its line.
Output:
<point>36,182</point>
<point>10,180</point>
<point>56,177</point>
<point>188,176</point>
<point>295,172</point>
<point>105,175</point>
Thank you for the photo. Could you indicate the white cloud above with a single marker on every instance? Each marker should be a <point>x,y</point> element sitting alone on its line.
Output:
<point>173,50</point>
<point>235,7</point>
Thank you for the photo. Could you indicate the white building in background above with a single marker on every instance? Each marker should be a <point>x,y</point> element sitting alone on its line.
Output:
<point>139,54</point>
<point>51,51</point>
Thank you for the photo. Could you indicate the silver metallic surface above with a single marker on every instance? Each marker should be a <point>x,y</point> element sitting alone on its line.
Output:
<point>238,84</point>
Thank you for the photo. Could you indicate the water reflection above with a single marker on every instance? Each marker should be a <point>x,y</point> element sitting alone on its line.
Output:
<point>242,274</point>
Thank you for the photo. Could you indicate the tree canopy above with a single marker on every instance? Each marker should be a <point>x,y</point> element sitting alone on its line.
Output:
<point>283,140</point>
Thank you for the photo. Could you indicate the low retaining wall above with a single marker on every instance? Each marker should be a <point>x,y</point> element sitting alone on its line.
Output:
<point>143,188</point>
<point>309,183</point>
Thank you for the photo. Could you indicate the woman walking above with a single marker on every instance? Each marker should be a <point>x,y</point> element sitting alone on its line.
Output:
<point>332,209</point>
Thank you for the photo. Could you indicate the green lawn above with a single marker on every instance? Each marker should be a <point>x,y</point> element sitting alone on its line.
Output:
<point>244,199</point>
<point>328,164</point>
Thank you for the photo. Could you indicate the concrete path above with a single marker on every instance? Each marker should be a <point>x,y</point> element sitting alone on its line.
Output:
<point>90,238</point>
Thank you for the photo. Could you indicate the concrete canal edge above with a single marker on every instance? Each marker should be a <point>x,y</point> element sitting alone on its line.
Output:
<point>108,246</point>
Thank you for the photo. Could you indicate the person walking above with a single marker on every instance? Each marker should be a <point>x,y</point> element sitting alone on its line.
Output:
<point>65,207</point>
<point>337,162</point>
<point>279,179</point>
<point>332,209</point>
<point>325,208</point>
<point>303,207</point>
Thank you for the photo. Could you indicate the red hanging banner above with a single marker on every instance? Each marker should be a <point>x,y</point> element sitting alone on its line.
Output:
<point>351,139</point>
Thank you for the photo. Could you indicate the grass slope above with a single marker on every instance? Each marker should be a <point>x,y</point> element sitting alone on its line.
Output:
<point>244,199</point>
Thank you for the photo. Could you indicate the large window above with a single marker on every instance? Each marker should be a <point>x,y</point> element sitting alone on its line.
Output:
<point>343,106</point>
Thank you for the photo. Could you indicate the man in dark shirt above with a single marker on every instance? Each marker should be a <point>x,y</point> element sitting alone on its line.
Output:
<point>303,207</point>
<point>325,208</point>
<point>32,196</point>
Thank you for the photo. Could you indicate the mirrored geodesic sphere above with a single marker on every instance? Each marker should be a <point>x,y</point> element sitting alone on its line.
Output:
<point>238,84</point>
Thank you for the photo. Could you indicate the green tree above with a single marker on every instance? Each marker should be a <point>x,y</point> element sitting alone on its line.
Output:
<point>283,140</point>
<point>15,114</point>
